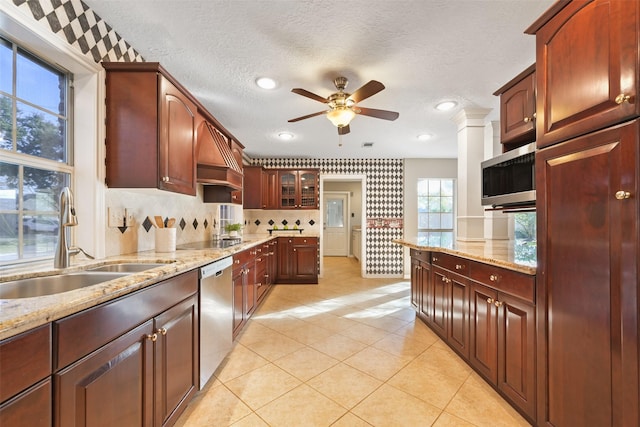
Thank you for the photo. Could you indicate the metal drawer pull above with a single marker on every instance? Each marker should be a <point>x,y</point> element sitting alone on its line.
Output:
<point>498,303</point>
<point>622,98</point>
<point>621,195</point>
<point>494,278</point>
<point>490,300</point>
<point>162,331</point>
<point>152,337</point>
<point>459,266</point>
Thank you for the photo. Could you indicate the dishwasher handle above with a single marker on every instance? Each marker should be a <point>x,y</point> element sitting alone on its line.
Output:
<point>216,268</point>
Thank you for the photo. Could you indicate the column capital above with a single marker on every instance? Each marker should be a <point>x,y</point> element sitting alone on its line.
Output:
<point>471,117</point>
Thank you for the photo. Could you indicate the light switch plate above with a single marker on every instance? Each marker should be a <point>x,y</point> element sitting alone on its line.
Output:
<point>115,217</point>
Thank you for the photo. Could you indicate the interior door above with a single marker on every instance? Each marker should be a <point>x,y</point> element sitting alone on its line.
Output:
<point>336,230</point>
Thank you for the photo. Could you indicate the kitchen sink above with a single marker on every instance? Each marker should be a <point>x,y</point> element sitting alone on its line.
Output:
<point>126,267</point>
<point>49,285</point>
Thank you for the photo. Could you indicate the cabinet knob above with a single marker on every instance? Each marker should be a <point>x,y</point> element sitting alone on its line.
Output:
<point>294,249</point>
<point>621,195</point>
<point>490,300</point>
<point>162,331</point>
<point>152,337</point>
<point>493,278</point>
<point>498,303</point>
<point>165,179</point>
<point>459,266</point>
<point>444,279</point>
<point>529,119</point>
<point>435,258</point>
<point>622,98</point>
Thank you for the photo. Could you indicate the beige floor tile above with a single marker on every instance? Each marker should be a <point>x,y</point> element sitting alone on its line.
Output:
<point>444,361</point>
<point>364,333</point>
<point>305,363</point>
<point>448,420</point>
<point>345,385</point>
<point>479,404</point>
<point>402,345</point>
<point>240,361</point>
<point>338,346</point>
<point>253,332</point>
<point>308,333</point>
<point>377,363</point>
<point>251,420</point>
<point>262,385</point>
<point>275,347</point>
<point>302,406</point>
<point>431,385</point>
<point>385,322</point>
<point>217,407</point>
<point>332,322</point>
<point>279,323</point>
<point>350,420</point>
<point>389,406</point>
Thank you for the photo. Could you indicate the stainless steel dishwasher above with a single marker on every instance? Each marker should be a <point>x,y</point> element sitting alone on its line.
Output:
<point>216,316</point>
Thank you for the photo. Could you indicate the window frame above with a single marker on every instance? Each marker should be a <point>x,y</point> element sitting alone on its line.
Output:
<point>422,232</point>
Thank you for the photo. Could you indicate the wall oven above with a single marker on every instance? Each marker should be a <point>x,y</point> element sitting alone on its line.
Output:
<point>509,179</point>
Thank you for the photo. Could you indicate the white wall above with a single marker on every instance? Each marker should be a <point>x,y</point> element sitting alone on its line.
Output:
<point>415,169</point>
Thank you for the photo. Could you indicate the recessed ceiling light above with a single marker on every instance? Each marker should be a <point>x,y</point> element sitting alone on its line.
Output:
<point>285,136</point>
<point>425,136</point>
<point>446,105</point>
<point>266,83</point>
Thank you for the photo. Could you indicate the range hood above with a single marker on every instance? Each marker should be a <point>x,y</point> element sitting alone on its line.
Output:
<point>216,165</point>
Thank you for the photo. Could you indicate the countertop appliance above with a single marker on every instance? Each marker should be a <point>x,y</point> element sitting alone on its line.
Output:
<point>216,316</point>
<point>509,179</point>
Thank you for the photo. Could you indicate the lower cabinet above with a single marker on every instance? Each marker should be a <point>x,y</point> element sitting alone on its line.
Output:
<point>486,314</point>
<point>142,377</point>
<point>297,260</point>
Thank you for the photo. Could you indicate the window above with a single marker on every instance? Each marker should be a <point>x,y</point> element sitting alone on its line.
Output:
<point>436,212</point>
<point>35,154</point>
<point>525,238</point>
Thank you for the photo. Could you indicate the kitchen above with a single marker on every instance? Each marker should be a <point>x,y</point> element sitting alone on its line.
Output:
<point>94,206</point>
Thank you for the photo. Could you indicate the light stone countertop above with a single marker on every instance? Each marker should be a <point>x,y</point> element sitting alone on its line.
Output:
<point>501,253</point>
<point>21,314</point>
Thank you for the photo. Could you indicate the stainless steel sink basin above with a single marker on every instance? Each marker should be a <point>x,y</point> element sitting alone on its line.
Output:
<point>126,267</point>
<point>49,285</point>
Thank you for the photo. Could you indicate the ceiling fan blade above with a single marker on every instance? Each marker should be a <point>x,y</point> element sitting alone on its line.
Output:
<point>344,130</point>
<point>378,114</point>
<point>308,94</point>
<point>297,119</point>
<point>366,91</point>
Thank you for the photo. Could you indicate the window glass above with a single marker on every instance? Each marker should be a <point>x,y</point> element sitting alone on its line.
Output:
<point>525,238</point>
<point>335,210</point>
<point>436,212</point>
<point>34,160</point>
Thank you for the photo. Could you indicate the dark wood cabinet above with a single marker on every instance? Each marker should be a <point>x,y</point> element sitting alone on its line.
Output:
<point>588,216</point>
<point>131,361</point>
<point>150,129</point>
<point>25,370</point>
<point>518,110</point>
<point>298,189</point>
<point>252,187</point>
<point>297,260</point>
<point>244,289</point>
<point>586,68</point>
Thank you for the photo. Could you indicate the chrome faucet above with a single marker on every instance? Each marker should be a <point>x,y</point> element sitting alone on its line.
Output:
<point>67,219</point>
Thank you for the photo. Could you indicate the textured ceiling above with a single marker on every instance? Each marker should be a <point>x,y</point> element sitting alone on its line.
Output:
<point>423,51</point>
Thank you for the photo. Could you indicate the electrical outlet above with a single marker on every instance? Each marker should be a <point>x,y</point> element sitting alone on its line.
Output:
<point>115,217</point>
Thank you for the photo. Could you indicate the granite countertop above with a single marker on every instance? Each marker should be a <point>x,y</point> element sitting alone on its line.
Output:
<point>21,314</point>
<point>501,253</point>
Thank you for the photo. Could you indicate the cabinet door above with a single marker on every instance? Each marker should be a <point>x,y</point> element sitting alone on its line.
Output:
<point>517,108</point>
<point>177,167</point>
<point>111,387</point>
<point>305,255</point>
<point>285,261</point>
<point>176,361</point>
<point>308,190</point>
<point>272,268</point>
<point>483,332</point>
<point>250,286</point>
<point>587,296</point>
<point>440,299</point>
<point>516,352</point>
<point>426,299</point>
<point>270,189</point>
<point>458,305</point>
<point>416,284</point>
<point>586,56</point>
<point>252,186</point>
<point>288,189</point>
<point>261,276</point>
<point>31,408</point>
<point>237,281</point>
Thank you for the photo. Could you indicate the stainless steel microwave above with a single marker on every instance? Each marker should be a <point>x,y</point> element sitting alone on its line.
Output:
<point>509,179</point>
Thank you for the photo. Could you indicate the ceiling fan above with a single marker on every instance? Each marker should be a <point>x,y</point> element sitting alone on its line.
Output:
<point>343,106</point>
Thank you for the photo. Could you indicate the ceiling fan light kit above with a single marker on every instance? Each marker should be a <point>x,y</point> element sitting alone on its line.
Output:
<point>342,105</point>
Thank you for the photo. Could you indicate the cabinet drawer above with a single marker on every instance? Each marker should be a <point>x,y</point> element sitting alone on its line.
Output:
<point>450,262</point>
<point>508,281</point>
<point>421,255</point>
<point>25,359</point>
<point>241,258</point>
<point>31,408</point>
<point>305,241</point>
<point>84,332</point>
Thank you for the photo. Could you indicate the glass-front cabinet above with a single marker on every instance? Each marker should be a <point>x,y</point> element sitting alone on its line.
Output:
<point>299,189</point>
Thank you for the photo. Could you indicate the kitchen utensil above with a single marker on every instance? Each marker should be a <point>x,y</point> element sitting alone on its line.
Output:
<point>159,221</point>
<point>171,222</point>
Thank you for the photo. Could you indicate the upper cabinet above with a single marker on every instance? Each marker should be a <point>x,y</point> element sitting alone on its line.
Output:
<point>518,110</point>
<point>586,68</point>
<point>298,189</point>
<point>150,129</point>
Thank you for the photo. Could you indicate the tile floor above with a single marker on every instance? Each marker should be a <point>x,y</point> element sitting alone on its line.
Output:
<point>346,352</point>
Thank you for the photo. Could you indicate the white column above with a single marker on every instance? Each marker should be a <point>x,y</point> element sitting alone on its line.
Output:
<point>496,223</point>
<point>471,129</point>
